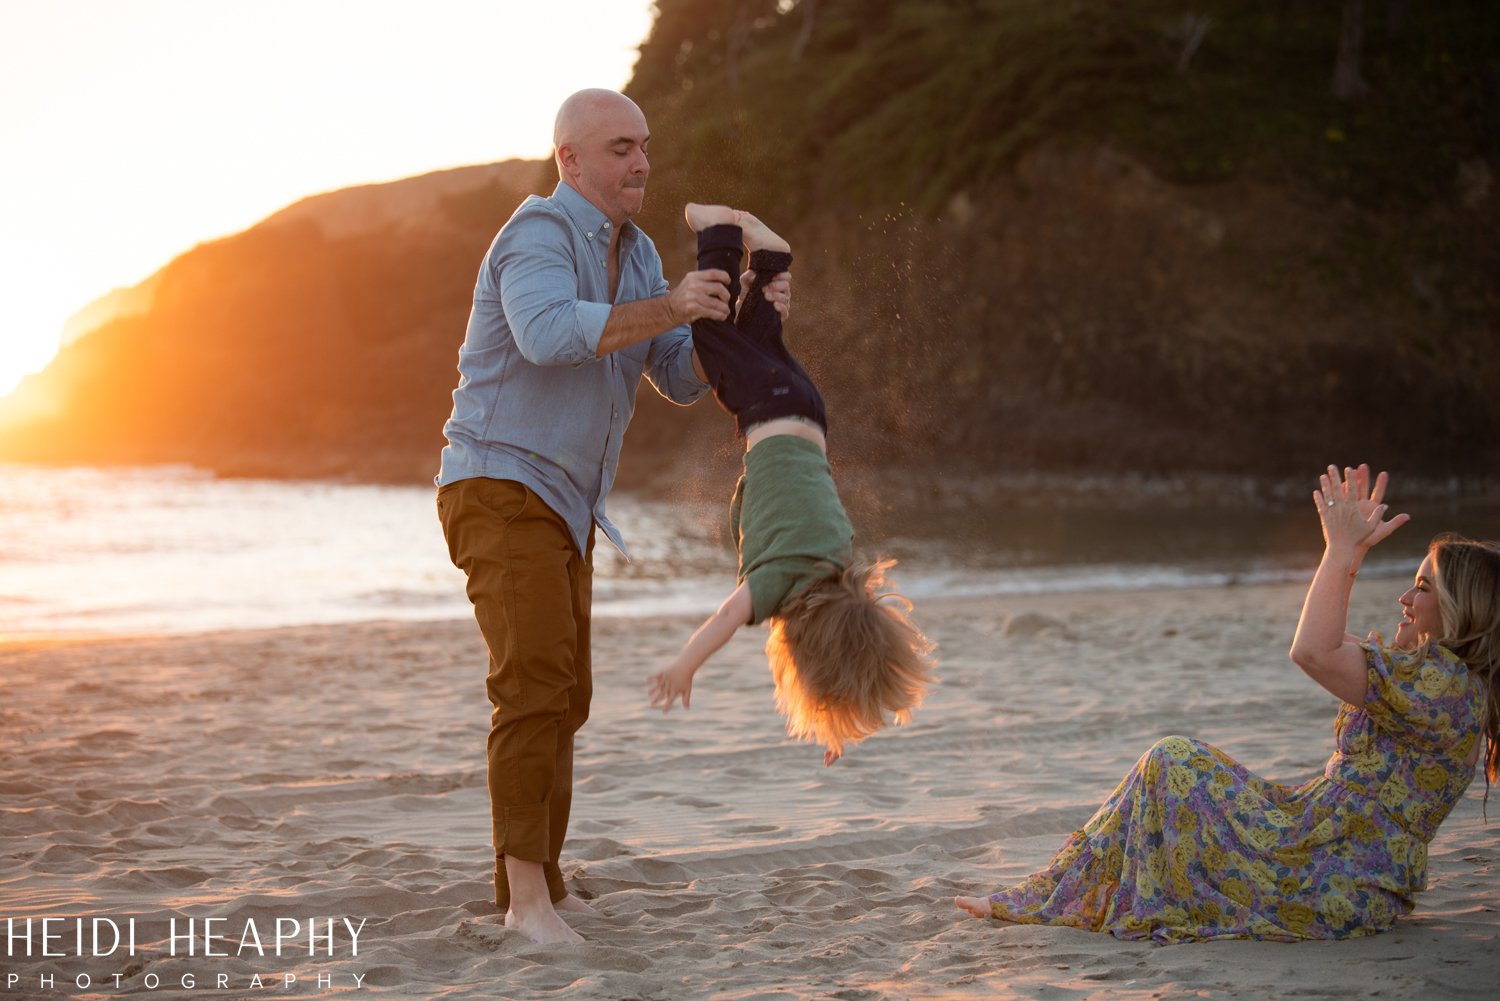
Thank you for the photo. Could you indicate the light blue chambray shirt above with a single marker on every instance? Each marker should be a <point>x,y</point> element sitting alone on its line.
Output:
<point>535,402</point>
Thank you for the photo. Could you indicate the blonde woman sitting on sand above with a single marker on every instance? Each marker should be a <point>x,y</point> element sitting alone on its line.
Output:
<point>844,657</point>
<point>1193,847</point>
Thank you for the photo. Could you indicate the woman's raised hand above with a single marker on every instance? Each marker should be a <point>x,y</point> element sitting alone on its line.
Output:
<point>1352,509</point>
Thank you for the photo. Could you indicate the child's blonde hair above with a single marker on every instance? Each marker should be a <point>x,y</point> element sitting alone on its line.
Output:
<point>845,656</point>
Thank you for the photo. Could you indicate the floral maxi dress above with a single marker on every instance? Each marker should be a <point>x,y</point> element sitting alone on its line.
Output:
<point>1192,846</point>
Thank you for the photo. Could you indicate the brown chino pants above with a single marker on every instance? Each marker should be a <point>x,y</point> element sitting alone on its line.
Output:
<point>531,592</point>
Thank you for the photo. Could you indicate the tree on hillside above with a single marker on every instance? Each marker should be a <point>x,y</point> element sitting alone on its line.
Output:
<point>809,11</point>
<point>692,37</point>
<point>1348,82</point>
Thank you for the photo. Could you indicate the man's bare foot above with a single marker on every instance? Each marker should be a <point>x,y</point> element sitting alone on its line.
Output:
<point>700,217</point>
<point>576,905</point>
<point>531,912</point>
<point>979,907</point>
<point>758,236</point>
<point>542,926</point>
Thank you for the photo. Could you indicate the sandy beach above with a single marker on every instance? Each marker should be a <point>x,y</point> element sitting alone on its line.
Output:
<point>336,772</point>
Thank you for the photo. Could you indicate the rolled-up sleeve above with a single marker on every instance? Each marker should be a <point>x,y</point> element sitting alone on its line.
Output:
<point>669,364</point>
<point>539,291</point>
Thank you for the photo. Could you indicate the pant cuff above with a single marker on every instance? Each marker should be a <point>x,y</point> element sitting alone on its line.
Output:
<point>723,237</point>
<point>774,261</point>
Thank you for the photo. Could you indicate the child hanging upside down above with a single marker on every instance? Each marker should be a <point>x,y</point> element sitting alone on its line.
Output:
<point>844,656</point>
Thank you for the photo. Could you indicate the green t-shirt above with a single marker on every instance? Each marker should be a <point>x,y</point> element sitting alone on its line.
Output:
<point>787,521</point>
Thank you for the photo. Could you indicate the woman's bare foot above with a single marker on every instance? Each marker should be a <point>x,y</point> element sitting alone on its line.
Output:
<point>758,236</point>
<point>700,217</point>
<point>979,907</point>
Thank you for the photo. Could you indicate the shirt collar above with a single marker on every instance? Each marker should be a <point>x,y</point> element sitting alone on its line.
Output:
<point>586,215</point>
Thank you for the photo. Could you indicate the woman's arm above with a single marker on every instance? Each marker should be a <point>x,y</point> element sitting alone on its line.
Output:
<point>676,679</point>
<point>1352,516</point>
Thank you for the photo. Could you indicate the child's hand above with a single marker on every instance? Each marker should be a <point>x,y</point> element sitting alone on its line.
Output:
<point>665,687</point>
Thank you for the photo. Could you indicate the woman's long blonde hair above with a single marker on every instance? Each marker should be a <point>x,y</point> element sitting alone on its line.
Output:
<point>1468,591</point>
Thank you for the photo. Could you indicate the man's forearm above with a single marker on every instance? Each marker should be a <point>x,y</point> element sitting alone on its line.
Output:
<point>633,322</point>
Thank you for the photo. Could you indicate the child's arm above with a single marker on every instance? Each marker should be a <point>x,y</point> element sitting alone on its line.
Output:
<point>677,678</point>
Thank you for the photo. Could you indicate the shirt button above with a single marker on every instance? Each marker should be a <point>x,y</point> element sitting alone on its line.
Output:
<point>606,225</point>
<point>591,236</point>
<point>601,262</point>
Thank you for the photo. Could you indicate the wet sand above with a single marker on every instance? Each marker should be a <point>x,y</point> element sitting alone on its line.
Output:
<point>337,772</point>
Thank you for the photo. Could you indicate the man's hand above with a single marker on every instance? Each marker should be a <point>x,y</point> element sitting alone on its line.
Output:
<point>700,295</point>
<point>778,291</point>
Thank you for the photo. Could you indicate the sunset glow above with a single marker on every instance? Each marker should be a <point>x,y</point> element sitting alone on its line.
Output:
<point>135,131</point>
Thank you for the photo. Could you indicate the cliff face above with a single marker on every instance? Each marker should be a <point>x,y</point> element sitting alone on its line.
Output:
<point>320,342</point>
<point>1025,239</point>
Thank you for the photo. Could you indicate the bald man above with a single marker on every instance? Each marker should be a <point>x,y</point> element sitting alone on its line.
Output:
<point>571,308</point>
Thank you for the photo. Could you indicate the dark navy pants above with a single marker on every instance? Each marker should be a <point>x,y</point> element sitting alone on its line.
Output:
<point>752,374</point>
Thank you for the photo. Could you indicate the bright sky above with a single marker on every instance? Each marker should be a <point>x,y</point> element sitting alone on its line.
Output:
<point>131,130</point>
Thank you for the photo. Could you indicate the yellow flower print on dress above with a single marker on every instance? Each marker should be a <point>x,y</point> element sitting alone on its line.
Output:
<point>1393,793</point>
<point>1174,917</point>
<point>1176,747</point>
<point>1262,838</point>
<point>1172,857</point>
<point>1337,909</point>
<point>1156,865</point>
<point>1278,819</point>
<point>1180,780</point>
<point>1261,928</point>
<point>1295,917</point>
<point>1432,777</point>
<point>1236,890</point>
<point>1432,682</point>
<point>1397,700</point>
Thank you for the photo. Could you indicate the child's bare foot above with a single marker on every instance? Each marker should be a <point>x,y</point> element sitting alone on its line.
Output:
<point>979,907</point>
<point>700,217</point>
<point>758,236</point>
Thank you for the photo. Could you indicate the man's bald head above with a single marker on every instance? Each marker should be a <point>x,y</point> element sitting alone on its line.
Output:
<point>583,113</point>
<point>600,138</point>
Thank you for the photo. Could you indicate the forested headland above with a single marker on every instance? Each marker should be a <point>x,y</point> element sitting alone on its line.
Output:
<point>1124,238</point>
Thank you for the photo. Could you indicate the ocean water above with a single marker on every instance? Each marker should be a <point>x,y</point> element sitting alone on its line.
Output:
<point>87,551</point>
